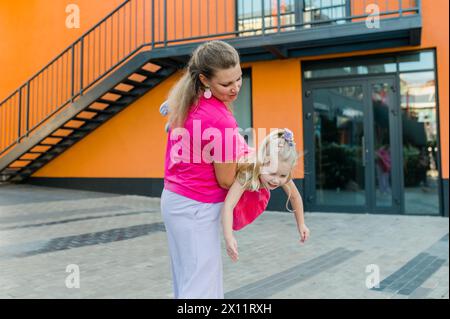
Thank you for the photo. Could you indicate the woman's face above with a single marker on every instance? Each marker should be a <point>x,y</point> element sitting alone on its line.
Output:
<point>225,84</point>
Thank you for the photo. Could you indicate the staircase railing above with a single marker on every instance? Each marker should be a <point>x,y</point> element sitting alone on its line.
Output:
<point>150,24</point>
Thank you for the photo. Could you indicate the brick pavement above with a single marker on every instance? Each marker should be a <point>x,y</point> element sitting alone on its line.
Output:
<point>118,244</point>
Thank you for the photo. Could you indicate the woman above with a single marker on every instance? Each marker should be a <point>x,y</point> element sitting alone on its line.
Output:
<point>195,184</point>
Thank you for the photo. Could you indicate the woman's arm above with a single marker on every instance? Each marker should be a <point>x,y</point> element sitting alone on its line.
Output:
<point>297,204</point>
<point>233,196</point>
<point>225,174</point>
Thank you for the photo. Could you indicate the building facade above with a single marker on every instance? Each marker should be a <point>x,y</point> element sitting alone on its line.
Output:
<point>362,84</point>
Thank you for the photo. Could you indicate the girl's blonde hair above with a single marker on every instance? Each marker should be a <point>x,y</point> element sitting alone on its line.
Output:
<point>206,59</point>
<point>279,143</point>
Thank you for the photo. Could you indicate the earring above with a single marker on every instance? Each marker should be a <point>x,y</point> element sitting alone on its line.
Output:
<point>207,93</point>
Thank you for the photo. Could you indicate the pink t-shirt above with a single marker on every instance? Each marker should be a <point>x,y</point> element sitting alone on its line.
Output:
<point>210,134</point>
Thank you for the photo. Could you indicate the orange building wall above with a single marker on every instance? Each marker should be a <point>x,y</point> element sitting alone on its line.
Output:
<point>33,32</point>
<point>127,29</point>
<point>277,99</point>
<point>133,143</point>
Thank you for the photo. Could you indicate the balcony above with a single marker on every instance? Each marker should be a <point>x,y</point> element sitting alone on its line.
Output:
<point>290,28</point>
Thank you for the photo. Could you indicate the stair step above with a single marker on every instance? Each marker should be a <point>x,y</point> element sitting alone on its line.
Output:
<point>68,143</point>
<point>124,93</point>
<point>136,83</point>
<point>166,63</point>
<point>10,171</point>
<point>111,102</point>
<point>59,136</point>
<point>101,111</point>
<point>84,129</point>
<point>83,120</point>
<point>45,144</point>
<point>75,130</point>
<point>148,74</point>
<point>35,166</point>
<point>74,138</point>
<point>23,174</point>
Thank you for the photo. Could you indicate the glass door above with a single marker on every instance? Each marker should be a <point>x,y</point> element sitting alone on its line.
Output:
<point>351,160</point>
<point>385,145</point>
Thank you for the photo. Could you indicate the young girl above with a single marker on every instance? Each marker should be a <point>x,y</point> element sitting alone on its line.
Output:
<point>256,176</point>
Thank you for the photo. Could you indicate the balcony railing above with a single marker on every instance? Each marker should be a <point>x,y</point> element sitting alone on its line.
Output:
<point>288,15</point>
<point>152,24</point>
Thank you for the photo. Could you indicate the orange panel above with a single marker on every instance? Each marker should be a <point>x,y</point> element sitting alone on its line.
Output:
<point>276,88</point>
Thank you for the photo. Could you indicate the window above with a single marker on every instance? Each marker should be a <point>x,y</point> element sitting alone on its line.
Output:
<point>420,140</point>
<point>255,15</point>
<point>374,66</point>
<point>243,107</point>
<point>416,77</point>
<point>250,15</point>
<point>320,12</point>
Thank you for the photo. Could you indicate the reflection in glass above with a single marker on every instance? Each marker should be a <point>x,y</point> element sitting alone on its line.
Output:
<point>322,12</point>
<point>250,13</point>
<point>373,68</point>
<point>242,108</point>
<point>420,153</point>
<point>338,135</point>
<point>383,165</point>
<point>416,61</point>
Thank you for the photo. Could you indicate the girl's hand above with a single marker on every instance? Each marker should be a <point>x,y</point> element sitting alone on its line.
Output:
<point>232,248</point>
<point>304,233</point>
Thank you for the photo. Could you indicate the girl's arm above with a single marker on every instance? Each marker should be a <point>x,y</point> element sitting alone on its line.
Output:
<point>233,196</point>
<point>297,204</point>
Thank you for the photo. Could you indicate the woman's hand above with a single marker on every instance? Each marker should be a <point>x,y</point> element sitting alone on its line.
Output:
<point>232,248</point>
<point>304,233</point>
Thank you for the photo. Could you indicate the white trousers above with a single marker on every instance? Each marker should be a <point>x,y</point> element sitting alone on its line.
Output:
<point>193,232</point>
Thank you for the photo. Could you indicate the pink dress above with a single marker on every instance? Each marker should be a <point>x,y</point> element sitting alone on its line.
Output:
<point>249,207</point>
<point>252,203</point>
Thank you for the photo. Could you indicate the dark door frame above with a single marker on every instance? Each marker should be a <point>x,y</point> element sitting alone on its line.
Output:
<point>395,139</point>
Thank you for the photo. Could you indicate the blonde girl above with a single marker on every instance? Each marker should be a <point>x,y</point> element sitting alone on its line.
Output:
<point>271,167</point>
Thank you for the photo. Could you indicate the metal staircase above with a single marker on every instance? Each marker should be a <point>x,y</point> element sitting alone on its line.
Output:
<point>121,89</point>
